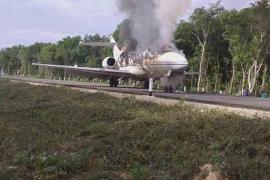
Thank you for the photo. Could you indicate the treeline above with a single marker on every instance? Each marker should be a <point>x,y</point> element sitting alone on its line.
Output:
<point>230,49</point>
<point>18,60</point>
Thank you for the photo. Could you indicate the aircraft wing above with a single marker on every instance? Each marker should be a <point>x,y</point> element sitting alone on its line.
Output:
<point>90,72</point>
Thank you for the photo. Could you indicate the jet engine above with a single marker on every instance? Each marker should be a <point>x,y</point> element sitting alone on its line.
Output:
<point>109,62</point>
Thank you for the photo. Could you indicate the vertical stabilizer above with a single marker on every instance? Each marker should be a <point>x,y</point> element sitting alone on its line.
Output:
<point>112,40</point>
<point>116,51</point>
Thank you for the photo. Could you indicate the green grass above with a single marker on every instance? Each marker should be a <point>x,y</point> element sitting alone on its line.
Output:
<point>57,133</point>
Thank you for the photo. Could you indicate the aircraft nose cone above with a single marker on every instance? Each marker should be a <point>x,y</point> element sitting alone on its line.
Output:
<point>175,59</point>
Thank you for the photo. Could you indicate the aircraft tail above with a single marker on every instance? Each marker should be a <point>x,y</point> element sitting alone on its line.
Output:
<point>112,40</point>
<point>112,44</point>
<point>116,50</point>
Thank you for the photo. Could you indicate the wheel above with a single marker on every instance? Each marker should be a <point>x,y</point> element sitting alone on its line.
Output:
<point>170,89</point>
<point>146,85</point>
<point>115,82</point>
<point>111,81</point>
<point>166,89</point>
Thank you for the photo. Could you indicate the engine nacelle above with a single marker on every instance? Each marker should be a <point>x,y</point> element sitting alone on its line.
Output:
<point>109,62</point>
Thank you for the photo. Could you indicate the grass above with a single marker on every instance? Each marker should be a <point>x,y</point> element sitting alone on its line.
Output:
<point>57,133</point>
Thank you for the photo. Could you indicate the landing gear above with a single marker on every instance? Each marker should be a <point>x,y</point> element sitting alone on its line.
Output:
<point>151,86</point>
<point>146,85</point>
<point>168,89</point>
<point>113,82</point>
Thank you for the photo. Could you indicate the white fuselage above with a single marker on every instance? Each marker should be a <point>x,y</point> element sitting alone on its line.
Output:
<point>159,66</point>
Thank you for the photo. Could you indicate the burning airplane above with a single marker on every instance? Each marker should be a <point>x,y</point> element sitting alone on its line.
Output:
<point>152,25</point>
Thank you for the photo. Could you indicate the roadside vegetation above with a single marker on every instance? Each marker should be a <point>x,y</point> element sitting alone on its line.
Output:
<point>58,133</point>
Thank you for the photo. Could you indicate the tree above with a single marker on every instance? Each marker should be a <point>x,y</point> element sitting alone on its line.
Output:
<point>47,56</point>
<point>203,20</point>
<point>262,16</point>
<point>24,57</point>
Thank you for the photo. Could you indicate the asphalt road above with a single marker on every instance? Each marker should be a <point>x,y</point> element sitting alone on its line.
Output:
<point>224,100</point>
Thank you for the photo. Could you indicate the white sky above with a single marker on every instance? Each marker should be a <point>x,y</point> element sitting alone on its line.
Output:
<point>28,21</point>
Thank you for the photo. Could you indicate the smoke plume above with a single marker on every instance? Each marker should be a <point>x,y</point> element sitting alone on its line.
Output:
<point>152,22</point>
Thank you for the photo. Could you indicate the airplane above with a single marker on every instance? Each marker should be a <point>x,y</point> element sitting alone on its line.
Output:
<point>168,66</point>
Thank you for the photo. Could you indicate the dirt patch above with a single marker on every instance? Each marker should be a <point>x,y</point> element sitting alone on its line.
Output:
<point>208,173</point>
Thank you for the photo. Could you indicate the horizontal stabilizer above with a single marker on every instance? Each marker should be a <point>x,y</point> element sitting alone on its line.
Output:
<point>192,73</point>
<point>97,44</point>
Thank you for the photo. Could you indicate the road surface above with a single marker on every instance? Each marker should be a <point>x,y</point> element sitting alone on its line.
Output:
<point>224,100</point>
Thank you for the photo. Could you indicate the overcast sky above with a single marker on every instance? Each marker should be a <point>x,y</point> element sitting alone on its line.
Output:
<point>28,21</point>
